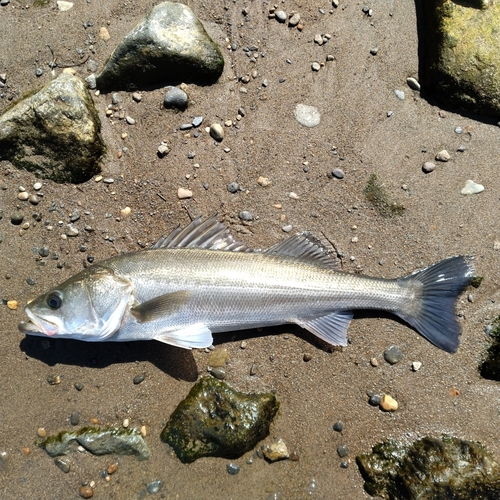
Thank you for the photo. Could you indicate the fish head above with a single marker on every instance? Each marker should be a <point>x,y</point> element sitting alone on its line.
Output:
<point>88,306</point>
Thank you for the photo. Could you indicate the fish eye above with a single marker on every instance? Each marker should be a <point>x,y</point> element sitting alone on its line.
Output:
<point>54,300</point>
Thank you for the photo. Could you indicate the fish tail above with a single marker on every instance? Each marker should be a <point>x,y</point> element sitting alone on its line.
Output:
<point>437,288</point>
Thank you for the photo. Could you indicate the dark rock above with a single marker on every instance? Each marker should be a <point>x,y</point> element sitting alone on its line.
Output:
<point>54,133</point>
<point>216,420</point>
<point>169,45</point>
<point>393,355</point>
<point>490,366</point>
<point>430,468</point>
<point>99,441</point>
<point>462,54</point>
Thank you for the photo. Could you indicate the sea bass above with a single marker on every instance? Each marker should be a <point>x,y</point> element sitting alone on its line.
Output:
<point>200,280</point>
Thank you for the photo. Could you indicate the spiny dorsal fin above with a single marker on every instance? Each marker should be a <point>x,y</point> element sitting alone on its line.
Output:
<point>210,235</point>
<point>304,246</point>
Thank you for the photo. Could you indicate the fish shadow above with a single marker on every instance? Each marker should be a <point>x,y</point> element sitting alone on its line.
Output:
<point>174,361</point>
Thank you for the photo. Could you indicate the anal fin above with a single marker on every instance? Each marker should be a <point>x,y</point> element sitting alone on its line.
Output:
<point>195,336</point>
<point>161,306</point>
<point>331,328</point>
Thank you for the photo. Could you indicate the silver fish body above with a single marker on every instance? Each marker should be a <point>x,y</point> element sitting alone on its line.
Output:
<point>201,281</point>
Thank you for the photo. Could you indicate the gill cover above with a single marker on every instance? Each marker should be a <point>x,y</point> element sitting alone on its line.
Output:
<point>89,306</point>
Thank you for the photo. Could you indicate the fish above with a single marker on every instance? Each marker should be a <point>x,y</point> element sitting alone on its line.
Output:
<point>200,280</point>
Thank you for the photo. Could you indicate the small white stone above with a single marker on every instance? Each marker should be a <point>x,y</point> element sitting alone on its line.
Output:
<point>307,115</point>
<point>183,194</point>
<point>216,131</point>
<point>130,120</point>
<point>496,245</point>
<point>23,196</point>
<point>126,423</point>
<point>472,188</point>
<point>37,186</point>
<point>64,6</point>
<point>293,196</point>
<point>276,451</point>
<point>416,365</point>
<point>125,211</point>
<point>315,66</point>
<point>443,155</point>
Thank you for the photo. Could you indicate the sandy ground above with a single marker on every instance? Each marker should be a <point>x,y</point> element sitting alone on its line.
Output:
<point>353,94</point>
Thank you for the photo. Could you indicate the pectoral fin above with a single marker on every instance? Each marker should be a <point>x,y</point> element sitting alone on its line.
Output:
<point>194,336</point>
<point>161,306</point>
<point>332,328</point>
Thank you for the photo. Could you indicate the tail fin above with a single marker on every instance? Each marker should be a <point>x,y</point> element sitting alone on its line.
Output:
<point>433,314</point>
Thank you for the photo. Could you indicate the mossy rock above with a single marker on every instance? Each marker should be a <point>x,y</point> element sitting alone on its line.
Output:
<point>216,420</point>
<point>461,66</point>
<point>430,469</point>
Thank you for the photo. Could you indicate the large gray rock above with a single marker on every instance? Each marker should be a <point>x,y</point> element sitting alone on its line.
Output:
<point>169,45</point>
<point>54,133</point>
<point>461,66</point>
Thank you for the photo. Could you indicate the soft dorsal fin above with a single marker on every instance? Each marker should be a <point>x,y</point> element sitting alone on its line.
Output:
<point>304,246</point>
<point>210,235</point>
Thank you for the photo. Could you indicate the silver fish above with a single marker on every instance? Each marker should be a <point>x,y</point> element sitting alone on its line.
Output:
<point>200,281</point>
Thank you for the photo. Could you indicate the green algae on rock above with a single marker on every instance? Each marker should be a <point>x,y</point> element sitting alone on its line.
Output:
<point>490,366</point>
<point>216,420</point>
<point>461,65</point>
<point>376,194</point>
<point>99,441</point>
<point>54,132</point>
<point>429,469</point>
<point>169,45</point>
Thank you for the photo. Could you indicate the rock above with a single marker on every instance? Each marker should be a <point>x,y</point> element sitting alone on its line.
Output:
<point>294,20</point>
<point>245,215</point>
<point>443,156</point>
<point>280,16</point>
<point>64,6</point>
<point>104,34</point>
<point>413,83</point>
<point>264,181</point>
<point>175,98</point>
<point>99,441</point>
<point>276,451</point>
<point>430,468</point>
<point>416,365</point>
<point>388,403</point>
<point>217,132</point>
<point>428,167</point>
<point>472,188</point>
<point>55,133</point>
<point>307,115</point>
<point>490,366</point>
<point>393,355</point>
<point>461,63</point>
<point>183,194</point>
<point>338,173</point>
<point>315,66</point>
<point>169,45</point>
<point>216,420</point>
<point>399,94</point>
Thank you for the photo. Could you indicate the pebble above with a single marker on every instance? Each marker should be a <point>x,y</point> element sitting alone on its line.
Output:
<point>74,419</point>
<point>293,196</point>
<point>41,432</point>
<point>125,212</point>
<point>197,121</point>
<point>276,451</point>
<point>294,20</point>
<point>245,215</point>
<point>154,486</point>
<point>54,379</point>
<point>287,228</point>
<point>183,194</point>
<point>472,187</point>
<point>374,51</point>
<point>338,173</point>
<point>374,361</point>
<point>138,379</point>
<point>280,16</point>
<point>307,357</point>
<point>216,132</point>
<point>338,426</point>
<point>308,116</point>
<point>399,94</point>
<point>16,218</point>
<point>342,451</point>
<point>37,186</point>
<point>137,97</point>
<point>23,196</point>
<point>233,187</point>
<point>458,130</point>
<point>232,469</point>
<point>34,199</point>
<point>130,120</point>
<point>264,181</point>
<point>175,98</point>
<point>393,355</point>
<point>108,180</point>
<point>86,492</point>
<point>388,403</point>
<point>428,167</point>
<point>318,39</point>
<point>104,34</point>
<point>344,464</point>
<point>71,230</point>
<point>112,468</point>
<point>443,156</point>
<point>38,72</point>
<point>416,365</point>
<point>12,305</point>
<point>62,463</point>
<point>163,150</point>
<point>315,66</point>
<point>413,83</point>
<point>186,126</point>
<point>374,400</point>
<point>217,372</point>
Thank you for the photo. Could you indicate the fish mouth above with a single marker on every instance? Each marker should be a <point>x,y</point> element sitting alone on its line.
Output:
<point>37,326</point>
